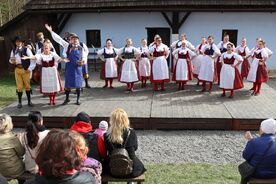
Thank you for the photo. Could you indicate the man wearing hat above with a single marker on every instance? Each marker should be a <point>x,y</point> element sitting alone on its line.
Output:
<point>75,57</point>
<point>85,65</point>
<point>256,147</point>
<point>23,69</point>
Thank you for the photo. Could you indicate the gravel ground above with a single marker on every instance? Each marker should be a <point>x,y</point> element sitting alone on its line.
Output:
<point>175,147</point>
<point>218,147</point>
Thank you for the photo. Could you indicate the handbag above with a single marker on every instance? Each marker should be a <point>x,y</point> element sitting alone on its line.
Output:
<point>246,170</point>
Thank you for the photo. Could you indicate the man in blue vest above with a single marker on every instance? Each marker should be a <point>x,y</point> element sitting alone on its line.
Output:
<point>23,69</point>
<point>74,58</point>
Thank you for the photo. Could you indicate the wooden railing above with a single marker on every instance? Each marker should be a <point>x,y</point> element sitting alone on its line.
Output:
<point>9,9</point>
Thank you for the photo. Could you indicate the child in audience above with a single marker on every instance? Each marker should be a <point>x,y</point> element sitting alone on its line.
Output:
<point>103,126</point>
<point>88,164</point>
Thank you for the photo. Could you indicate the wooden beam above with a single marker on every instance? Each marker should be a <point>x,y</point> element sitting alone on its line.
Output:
<point>167,18</point>
<point>175,22</point>
<point>184,19</point>
<point>63,22</point>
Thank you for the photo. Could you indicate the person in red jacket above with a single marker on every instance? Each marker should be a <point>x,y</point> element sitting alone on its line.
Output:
<point>96,145</point>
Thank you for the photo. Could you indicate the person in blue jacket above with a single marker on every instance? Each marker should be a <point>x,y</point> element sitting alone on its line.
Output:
<point>256,147</point>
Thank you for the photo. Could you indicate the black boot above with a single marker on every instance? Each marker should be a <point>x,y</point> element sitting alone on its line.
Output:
<point>66,101</point>
<point>78,96</point>
<point>19,94</point>
<point>30,104</point>
<point>87,84</point>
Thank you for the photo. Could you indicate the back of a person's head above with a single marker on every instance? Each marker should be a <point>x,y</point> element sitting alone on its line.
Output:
<point>118,123</point>
<point>80,144</point>
<point>83,116</point>
<point>33,127</point>
<point>5,123</point>
<point>268,126</point>
<point>57,154</point>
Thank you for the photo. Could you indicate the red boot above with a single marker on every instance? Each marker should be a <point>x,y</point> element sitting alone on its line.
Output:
<point>231,94</point>
<point>163,86</point>
<point>106,83</point>
<point>156,87</point>
<point>203,86</point>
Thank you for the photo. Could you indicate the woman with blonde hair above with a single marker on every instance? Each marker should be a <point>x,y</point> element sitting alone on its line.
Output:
<point>11,150</point>
<point>120,135</point>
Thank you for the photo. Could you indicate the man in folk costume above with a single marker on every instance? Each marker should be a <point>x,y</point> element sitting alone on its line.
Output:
<point>129,73</point>
<point>230,76</point>
<point>40,41</point>
<point>85,64</point>
<point>109,67</point>
<point>23,69</point>
<point>222,45</point>
<point>75,57</point>
<point>177,44</point>
<point>144,63</point>
<point>207,69</point>
<point>183,67</point>
<point>50,79</point>
<point>159,69</point>
<point>258,72</point>
<point>196,61</point>
<point>244,52</point>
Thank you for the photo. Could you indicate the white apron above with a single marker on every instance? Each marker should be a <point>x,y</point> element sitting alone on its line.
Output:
<point>129,72</point>
<point>206,72</point>
<point>160,70</point>
<point>253,70</point>
<point>110,68</point>
<point>50,82</point>
<point>144,67</point>
<point>227,77</point>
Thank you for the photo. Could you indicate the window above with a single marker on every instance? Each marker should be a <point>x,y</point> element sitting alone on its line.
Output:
<point>233,35</point>
<point>93,38</point>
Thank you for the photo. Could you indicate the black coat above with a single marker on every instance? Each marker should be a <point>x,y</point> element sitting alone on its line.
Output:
<point>131,147</point>
<point>77,178</point>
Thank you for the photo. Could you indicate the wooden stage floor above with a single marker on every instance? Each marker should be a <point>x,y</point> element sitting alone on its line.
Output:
<point>171,109</point>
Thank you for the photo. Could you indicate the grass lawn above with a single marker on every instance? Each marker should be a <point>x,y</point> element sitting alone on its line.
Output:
<point>192,173</point>
<point>7,90</point>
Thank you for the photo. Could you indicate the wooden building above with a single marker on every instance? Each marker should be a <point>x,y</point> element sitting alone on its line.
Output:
<point>95,20</point>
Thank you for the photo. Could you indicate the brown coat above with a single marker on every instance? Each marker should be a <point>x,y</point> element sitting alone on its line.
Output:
<point>11,153</point>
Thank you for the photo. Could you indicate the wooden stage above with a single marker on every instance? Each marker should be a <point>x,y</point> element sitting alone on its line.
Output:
<point>171,109</point>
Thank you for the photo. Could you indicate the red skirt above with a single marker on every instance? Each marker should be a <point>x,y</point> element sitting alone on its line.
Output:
<point>262,74</point>
<point>238,82</point>
<point>245,68</point>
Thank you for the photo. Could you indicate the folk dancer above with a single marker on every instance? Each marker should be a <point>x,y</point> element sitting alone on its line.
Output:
<point>230,77</point>
<point>222,45</point>
<point>196,61</point>
<point>159,68</point>
<point>144,63</point>
<point>50,80</point>
<point>109,57</point>
<point>244,52</point>
<point>129,73</point>
<point>23,69</point>
<point>183,66</point>
<point>207,69</point>
<point>258,72</point>
<point>75,57</point>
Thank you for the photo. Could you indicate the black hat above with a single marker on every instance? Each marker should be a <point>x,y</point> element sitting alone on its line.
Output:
<point>82,116</point>
<point>18,38</point>
<point>73,35</point>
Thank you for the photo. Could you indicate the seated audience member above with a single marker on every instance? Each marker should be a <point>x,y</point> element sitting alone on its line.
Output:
<point>256,147</point>
<point>88,164</point>
<point>11,150</point>
<point>96,146</point>
<point>3,180</point>
<point>103,126</point>
<point>31,140</point>
<point>116,137</point>
<point>59,162</point>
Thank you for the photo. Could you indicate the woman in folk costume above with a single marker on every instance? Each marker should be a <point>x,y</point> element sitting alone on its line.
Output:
<point>222,45</point>
<point>159,68</point>
<point>144,62</point>
<point>75,57</point>
<point>207,69</point>
<point>258,72</point>
<point>230,77</point>
<point>177,44</point>
<point>183,67</point>
<point>109,56</point>
<point>129,73</point>
<point>50,80</point>
<point>244,52</point>
<point>196,61</point>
